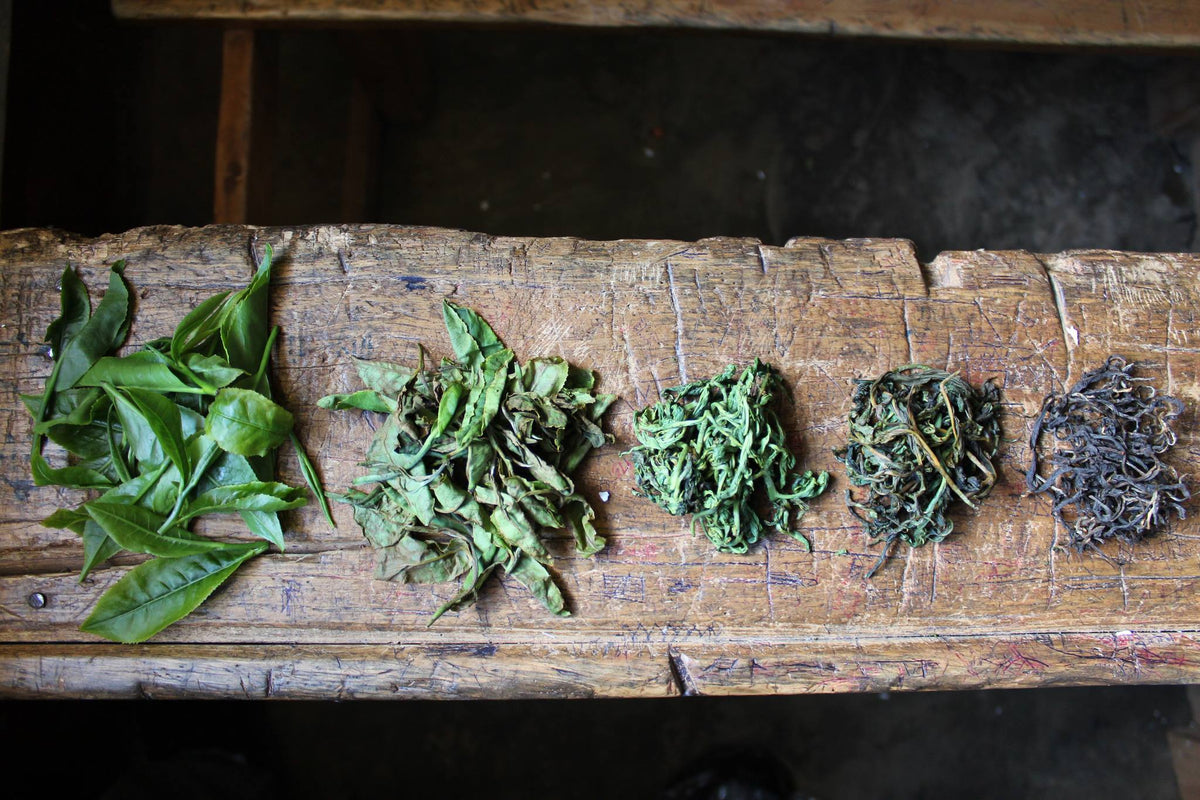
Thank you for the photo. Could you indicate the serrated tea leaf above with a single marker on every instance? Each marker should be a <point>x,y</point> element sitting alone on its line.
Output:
<point>139,530</point>
<point>246,423</point>
<point>103,332</point>
<point>201,323</point>
<point>472,339</point>
<point>144,369</point>
<point>254,496</point>
<point>365,400</point>
<point>159,592</point>
<point>244,329</point>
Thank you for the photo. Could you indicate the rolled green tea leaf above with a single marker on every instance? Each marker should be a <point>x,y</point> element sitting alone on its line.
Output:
<point>1107,476</point>
<point>918,438</point>
<point>715,449</point>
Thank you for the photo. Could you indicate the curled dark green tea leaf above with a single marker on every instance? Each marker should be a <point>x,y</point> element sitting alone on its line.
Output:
<point>918,438</point>
<point>166,435</point>
<point>715,449</point>
<point>1107,477</point>
<point>472,464</point>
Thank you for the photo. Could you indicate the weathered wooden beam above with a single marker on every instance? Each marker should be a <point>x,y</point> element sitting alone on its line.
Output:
<point>1155,23</point>
<point>998,603</point>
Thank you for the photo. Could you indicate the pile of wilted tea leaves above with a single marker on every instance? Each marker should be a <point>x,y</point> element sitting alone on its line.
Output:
<point>715,449</point>
<point>473,462</point>
<point>183,427</point>
<point>918,438</point>
<point>1107,477</point>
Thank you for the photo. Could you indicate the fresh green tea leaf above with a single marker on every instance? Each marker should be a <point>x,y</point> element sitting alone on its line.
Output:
<point>145,369</point>
<point>76,311</point>
<point>254,496</point>
<point>246,423</point>
<point>140,530</point>
<point>165,419</point>
<point>199,325</point>
<point>159,592</point>
<point>244,329</point>
<point>134,426</point>
<point>309,471</point>
<point>69,476</point>
<point>211,371</point>
<point>103,332</point>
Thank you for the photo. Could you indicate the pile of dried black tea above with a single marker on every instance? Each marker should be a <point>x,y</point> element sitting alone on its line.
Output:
<point>1106,473</point>
<point>715,449</point>
<point>918,438</point>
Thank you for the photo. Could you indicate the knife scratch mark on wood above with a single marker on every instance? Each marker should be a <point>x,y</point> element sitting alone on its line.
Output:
<point>679,357</point>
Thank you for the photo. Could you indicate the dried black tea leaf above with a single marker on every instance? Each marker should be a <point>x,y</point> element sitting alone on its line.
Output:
<point>715,449</point>
<point>919,438</point>
<point>1106,474</point>
<point>472,463</point>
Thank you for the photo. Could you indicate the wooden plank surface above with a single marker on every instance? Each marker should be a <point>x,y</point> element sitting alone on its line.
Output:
<point>1147,23</point>
<point>658,612</point>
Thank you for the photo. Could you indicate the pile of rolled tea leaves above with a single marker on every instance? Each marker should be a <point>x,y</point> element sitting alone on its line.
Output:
<point>1106,474</point>
<point>918,438</point>
<point>715,449</point>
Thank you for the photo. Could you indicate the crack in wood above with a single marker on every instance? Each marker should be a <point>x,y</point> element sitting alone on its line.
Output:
<point>912,359</point>
<point>1070,333</point>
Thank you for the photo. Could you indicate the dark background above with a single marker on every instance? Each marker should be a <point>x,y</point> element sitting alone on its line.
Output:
<point>651,134</point>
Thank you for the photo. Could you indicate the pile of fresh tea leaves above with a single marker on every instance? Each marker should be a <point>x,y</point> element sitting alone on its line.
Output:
<point>184,426</point>
<point>473,461</point>
<point>1107,476</point>
<point>918,438</point>
<point>715,449</point>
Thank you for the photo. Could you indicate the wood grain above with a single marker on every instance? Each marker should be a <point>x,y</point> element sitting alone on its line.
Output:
<point>1146,23</point>
<point>658,612</point>
<point>234,127</point>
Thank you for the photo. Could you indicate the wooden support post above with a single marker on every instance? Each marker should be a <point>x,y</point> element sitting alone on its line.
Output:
<point>234,127</point>
<point>360,176</point>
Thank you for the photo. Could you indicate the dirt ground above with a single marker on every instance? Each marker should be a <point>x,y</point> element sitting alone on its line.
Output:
<point>609,135</point>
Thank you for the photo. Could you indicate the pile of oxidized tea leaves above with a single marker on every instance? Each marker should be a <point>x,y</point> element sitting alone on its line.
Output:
<point>918,438</point>
<point>715,449</point>
<point>1106,473</point>
<point>183,427</point>
<point>473,462</point>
